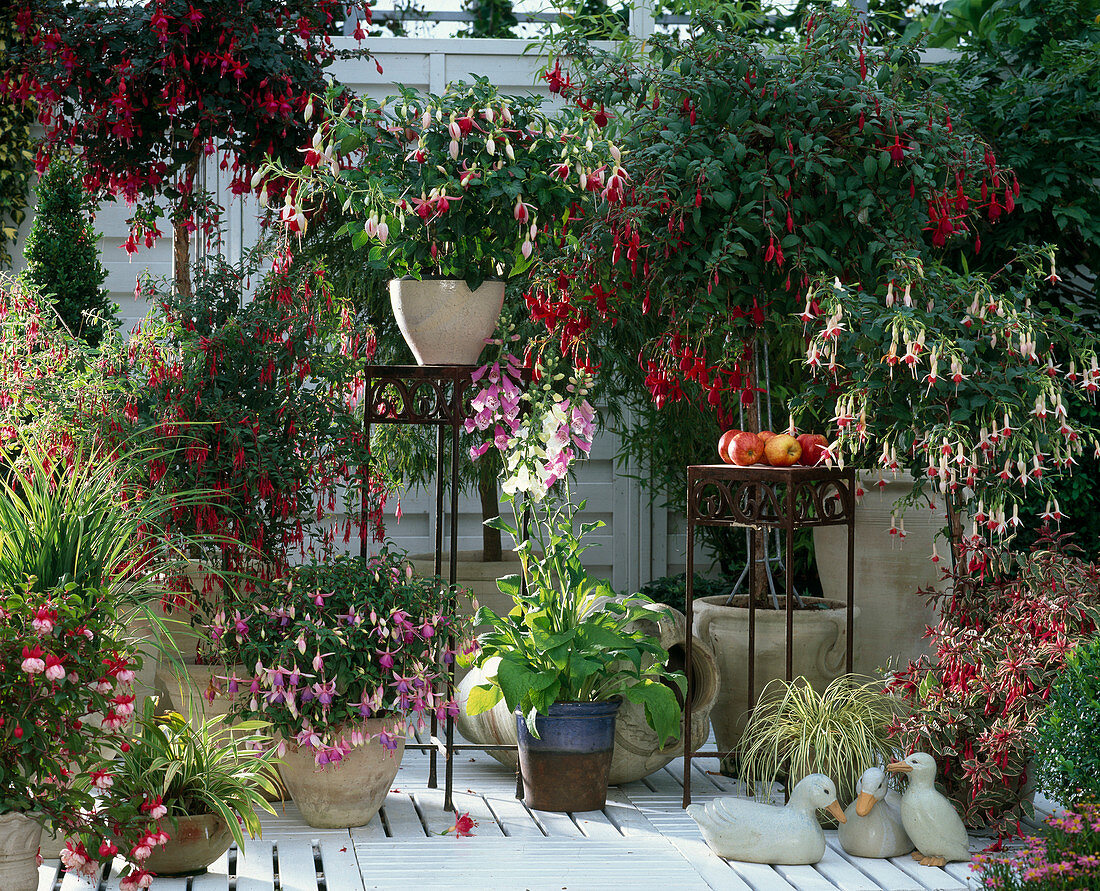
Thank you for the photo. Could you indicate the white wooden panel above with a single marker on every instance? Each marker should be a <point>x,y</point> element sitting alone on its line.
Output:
<point>256,866</point>
<point>216,877</point>
<point>341,867</point>
<point>47,874</point>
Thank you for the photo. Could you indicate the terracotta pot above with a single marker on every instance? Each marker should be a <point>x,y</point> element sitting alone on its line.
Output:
<point>818,654</point>
<point>194,845</point>
<point>346,794</point>
<point>637,750</point>
<point>19,838</point>
<point>443,321</point>
<point>888,573</point>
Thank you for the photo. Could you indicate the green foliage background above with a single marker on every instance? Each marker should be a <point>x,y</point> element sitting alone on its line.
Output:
<point>16,159</point>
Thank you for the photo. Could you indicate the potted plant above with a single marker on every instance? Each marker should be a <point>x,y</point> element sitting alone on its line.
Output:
<point>202,783</point>
<point>66,678</point>
<point>795,731</point>
<point>343,658</point>
<point>453,193</point>
<point>567,654</point>
<point>1005,630</point>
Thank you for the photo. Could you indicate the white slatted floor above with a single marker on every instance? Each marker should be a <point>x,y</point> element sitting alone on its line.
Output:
<point>641,840</point>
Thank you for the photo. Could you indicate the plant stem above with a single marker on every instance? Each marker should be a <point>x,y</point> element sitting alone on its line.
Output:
<point>487,473</point>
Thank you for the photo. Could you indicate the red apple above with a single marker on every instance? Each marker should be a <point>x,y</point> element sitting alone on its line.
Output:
<point>813,448</point>
<point>745,449</point>
<point>765,435</point>
<point>782,450</point>
<point>723,444</point>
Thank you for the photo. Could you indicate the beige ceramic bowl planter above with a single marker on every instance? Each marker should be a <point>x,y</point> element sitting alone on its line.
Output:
<point>19,837</point>
<point>443,321</point>
<point>195,844</point>
<point>346,794</point>
<point>820,640</point>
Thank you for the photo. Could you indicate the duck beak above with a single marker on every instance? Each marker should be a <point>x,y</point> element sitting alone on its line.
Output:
<point>864,803</point>
<point>899,767</point>
<point>835,810</point>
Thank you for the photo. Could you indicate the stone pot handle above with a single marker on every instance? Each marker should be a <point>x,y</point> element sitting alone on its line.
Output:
<point>831,660</point>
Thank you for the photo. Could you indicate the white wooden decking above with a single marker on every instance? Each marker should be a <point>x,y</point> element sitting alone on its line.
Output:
<point>641,840</point>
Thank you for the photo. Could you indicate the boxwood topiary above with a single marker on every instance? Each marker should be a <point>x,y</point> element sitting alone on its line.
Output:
<point>1068,733</point>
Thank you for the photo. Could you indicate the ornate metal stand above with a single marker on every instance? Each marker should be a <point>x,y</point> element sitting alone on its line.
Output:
<point>428,395</point>
<point>763,499</point>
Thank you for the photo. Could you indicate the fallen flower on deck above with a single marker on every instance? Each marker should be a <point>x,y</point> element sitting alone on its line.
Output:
<point>463,824</point>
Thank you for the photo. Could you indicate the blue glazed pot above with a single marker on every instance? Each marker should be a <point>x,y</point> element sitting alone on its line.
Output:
<point>567,766</point>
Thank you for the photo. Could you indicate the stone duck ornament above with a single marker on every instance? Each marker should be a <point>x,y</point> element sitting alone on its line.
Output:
<point>740,829</point>
<point>874,827</point>
<point>928,816</point>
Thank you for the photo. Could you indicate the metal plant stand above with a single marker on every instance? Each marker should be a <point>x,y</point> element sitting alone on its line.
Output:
<point>436,396</point>
<point>763,499</point>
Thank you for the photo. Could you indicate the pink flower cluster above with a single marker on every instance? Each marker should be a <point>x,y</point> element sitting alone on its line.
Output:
<point>1068,857</point>
<point>539,432</point>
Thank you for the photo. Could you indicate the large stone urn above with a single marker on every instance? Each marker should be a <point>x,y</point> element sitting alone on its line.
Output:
<point>443,321</point>
<point>819,648</point>
<point>19,838</point>
<point>348,793</point>
<point>888,573</point>
<point>637,752</point>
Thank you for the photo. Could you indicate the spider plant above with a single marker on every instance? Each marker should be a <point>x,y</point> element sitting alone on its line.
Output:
<point>795,730</point>
<point>198,768</point>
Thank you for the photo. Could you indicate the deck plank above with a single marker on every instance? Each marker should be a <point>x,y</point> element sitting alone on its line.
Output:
<point>342,872</point>
<point>401,817</point>
<point>926,876</point>
<point>256,866</point>
<point>47,874</point>
<point>297,865</point>
<point>712,869</point>
<point>883,873</point>
<point>556,825</point>
<point>513,817</point>
<point>216,877</point>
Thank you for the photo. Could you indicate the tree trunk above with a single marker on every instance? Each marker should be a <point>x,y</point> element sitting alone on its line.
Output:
<point>491,551</point>
<point>181,259</point>
<point>753,424</point>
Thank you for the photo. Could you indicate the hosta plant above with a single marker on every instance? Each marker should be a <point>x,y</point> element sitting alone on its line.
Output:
<point>461,185</point>
<point>966,381</point>
<point>336,643</point>
<point>1007,623</point>
<point>794,731</point>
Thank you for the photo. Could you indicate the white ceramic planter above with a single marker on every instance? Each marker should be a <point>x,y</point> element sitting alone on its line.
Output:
<point>638,752</point>
<point>346,794</point>
<point>443,321</point>
<point>890,627</point>
<point>19,838</point>
<point>818,653</point>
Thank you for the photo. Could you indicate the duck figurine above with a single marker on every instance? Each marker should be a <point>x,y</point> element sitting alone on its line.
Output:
<point>928,816</point>
<point>740,829</point>
<point>874,827</point>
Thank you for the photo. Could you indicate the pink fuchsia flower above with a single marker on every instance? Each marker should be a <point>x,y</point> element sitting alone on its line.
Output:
<point>55,671</point>
<point>44,620</point>
<point>33,663</point>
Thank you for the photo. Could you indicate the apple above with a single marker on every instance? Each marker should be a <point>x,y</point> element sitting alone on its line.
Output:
<point>782,450</point>
<point>765,435</point>
<point>723,445</point>
<point>813,448</point>
<point>745,449</point>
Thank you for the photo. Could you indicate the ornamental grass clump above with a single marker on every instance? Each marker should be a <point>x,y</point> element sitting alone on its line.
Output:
<point>1007,623</point>
<point>334,644</point>
<point>794,731</point>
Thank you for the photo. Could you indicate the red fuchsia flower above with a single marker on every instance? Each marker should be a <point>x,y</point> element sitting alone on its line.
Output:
<point>33,663</point>
<point>55,671</point>
<point>463,827</point>
<point>44,620</point>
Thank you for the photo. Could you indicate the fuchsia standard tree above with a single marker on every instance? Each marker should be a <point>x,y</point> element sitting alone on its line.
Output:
<point>149,92</point>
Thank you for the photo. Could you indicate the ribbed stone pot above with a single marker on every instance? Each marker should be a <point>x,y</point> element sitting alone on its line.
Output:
<point>888,574</point>
<point>193,846</point>
<point>818,653</point>
<point>19,838</point>
<point>443,321</point>
<point>345,794</point>
<point>637,752</point>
